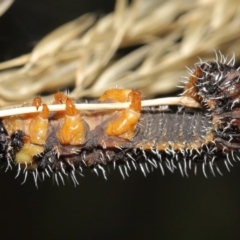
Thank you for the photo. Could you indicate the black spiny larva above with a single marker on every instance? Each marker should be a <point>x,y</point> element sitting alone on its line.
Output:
<point>169,138</point>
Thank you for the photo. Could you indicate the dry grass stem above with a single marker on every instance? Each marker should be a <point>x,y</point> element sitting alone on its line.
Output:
<point>4,6</point>
<point>85,54</point>
<point>184,101</point>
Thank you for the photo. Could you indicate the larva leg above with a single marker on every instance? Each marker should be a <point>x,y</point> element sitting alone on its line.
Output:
<point>73,129</point>
<point>125,121</point>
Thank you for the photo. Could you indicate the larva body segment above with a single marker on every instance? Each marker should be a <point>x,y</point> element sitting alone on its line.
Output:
<point>163,138</point>
<point>152,145</point>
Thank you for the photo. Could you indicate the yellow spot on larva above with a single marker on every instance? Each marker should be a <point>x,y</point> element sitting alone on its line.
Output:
<point>25,155</point>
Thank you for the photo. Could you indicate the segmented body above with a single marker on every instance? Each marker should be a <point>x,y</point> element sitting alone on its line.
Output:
<point>146,138</point>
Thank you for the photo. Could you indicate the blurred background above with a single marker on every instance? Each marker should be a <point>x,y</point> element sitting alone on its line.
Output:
<point>160,39</point>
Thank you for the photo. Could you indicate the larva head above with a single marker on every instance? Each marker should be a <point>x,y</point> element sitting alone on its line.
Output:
<point>219,90</point>
<point>217,86</point>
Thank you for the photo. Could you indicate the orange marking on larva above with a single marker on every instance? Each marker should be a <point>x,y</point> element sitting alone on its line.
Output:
<point>73,129</point>
<point>60,98</point>
<point>135,97</point>
<point>37,102</point>
<point>45,112</point>
<point>190,87</point>
<point>162,146</point>
<point>26,139</point>
<point>38,126</point>
<point>118,95</point>
<point>70,108</point>
<point>124,122</point>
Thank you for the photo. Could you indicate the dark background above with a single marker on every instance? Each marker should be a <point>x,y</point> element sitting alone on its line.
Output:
<point>156,207</point>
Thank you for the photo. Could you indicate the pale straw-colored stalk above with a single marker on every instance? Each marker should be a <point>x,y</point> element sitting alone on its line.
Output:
<point>183,101</point>
<point>5,5</point>
<point>84,54</point>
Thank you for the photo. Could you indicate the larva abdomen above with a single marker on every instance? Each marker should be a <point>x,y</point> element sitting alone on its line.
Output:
<point>163,138</point>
